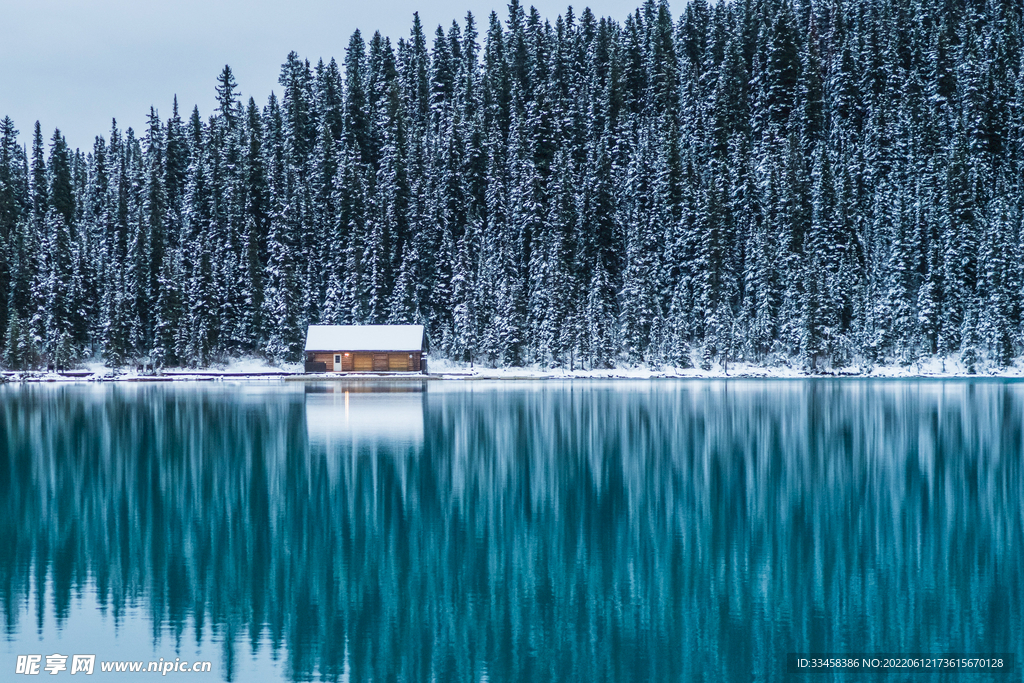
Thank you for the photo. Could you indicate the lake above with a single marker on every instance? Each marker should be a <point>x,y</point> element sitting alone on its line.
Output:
<point>511,531</point>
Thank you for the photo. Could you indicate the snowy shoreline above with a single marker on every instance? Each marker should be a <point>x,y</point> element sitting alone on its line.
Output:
<point>252,370</point>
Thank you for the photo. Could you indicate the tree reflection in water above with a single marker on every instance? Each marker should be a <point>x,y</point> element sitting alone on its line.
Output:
<point>524,531</point>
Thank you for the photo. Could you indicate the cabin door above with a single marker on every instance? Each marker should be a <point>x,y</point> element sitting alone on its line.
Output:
<point>337,362</point>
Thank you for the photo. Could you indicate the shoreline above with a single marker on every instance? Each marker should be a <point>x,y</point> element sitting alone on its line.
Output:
<point>508,374</point>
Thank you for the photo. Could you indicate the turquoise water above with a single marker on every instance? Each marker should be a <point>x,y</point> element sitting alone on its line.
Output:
<point>512,531</point>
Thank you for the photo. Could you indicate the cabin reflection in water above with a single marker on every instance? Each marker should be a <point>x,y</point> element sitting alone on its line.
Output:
<point>362,413</point>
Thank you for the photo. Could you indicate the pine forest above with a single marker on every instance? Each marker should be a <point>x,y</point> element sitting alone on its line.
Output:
<point>811,183</point>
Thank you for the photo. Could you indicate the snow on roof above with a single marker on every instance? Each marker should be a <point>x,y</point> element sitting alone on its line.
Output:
<point>364,338</point>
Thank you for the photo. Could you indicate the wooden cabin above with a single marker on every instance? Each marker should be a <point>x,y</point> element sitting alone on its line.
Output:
<point>366,348</point>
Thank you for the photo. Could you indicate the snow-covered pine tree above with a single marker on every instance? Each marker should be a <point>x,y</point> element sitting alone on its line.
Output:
<point>256,217</point>
<point>282,303</point>
<point>10,213</point>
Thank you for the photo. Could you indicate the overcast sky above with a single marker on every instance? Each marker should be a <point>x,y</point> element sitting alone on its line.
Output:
<point>76,64</point>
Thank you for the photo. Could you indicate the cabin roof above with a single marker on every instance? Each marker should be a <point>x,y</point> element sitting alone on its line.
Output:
<point>364,338</point>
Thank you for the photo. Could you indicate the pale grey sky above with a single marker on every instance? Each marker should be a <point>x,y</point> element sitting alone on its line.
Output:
<point>76,64</point>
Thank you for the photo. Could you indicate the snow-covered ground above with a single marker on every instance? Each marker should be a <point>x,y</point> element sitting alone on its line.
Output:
<point>933,367</point>
<point>258,369</point>
<point>96,370</point>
